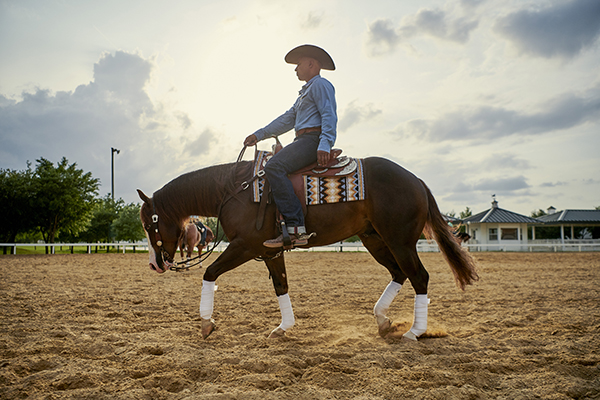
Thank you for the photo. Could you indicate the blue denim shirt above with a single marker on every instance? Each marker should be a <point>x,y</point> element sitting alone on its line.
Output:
<point>314,107</point>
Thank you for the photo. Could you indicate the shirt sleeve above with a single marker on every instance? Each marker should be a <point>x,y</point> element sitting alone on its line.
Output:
<point>279,125</point>
<point>323,94</point>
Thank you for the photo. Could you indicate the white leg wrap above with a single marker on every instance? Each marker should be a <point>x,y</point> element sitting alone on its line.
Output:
<point>287,314</point>
<point>388,295</point>
<point>420,322</point>
<point>207,299</point>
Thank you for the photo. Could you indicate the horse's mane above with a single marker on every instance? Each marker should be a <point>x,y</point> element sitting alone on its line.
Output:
<point>199,192</point>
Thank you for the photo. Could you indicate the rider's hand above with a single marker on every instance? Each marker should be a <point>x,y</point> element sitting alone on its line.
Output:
<point>322,157</point>
<point>250,140</point>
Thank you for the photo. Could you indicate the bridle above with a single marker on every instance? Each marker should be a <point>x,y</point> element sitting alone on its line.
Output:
<point>163,253</point>
<point>200,257</point>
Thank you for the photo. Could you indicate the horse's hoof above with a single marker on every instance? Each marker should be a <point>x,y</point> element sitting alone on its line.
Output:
<point>409,336</point>
<point>207,327</point>
<point>385,327</point>
<point>277,333</point>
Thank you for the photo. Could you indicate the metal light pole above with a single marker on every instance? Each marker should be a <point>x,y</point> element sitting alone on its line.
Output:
<point>112,170</point>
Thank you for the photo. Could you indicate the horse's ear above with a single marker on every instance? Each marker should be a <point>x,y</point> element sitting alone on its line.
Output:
<point>144,198</point>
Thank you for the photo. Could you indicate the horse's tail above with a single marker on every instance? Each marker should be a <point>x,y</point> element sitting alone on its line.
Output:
<point>460,261</point>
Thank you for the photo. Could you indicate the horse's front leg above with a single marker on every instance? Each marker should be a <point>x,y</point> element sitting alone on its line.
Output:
<point>235,255</point>
<point>200,249</point>
<point>276,268</point>
<point>189,252</point>
<point>382,306</point>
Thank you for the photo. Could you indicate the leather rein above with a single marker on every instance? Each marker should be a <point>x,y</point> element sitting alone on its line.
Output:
<point>200,257</point>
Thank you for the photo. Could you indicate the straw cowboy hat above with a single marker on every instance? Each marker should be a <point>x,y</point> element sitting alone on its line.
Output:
<point>308,50</point>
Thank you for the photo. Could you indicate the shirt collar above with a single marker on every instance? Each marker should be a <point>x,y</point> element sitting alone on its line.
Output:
<point>307,84</point>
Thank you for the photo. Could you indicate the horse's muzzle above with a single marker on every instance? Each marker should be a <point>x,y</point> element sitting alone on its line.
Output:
<point>156,264</point>
<point>156,268</point>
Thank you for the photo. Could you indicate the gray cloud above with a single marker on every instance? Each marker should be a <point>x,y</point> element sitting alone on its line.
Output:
<point>313,21</point>
<point>471,3</point>
<point>200,145</point>
<point>354,114</point>
<point>505,161</point>
<point>502,184</point>
<point>487,122</point>
<point>183,119</point>
<point>125,76</point>
<point>383,37</point>
<point>477,195</point>
<point>437,24</point>
<point>5,102</point>
<point>553,184</point>
<point>563,29</point>
<point>114,110</point>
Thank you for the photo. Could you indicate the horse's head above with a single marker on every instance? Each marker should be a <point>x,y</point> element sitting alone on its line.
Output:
<point>163,235</point>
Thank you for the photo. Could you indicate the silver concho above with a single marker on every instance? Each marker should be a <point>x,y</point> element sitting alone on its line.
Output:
<point>349,168</point>
<point>342,162</point>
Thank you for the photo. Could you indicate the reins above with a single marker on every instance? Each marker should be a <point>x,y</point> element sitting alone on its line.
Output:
<point>228,196</point>
<point>203,256</point>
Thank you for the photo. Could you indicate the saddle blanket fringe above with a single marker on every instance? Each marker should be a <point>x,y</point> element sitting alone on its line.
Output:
<point>318,189</point>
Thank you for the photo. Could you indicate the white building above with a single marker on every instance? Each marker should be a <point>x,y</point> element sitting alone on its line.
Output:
<point>568,220</point>
<point>498,229</point>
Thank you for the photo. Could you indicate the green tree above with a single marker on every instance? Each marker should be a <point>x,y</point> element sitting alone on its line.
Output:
<point>104,213</point>
<point>64,196</point>
<point>16,193</point>
<point>466,213</point>
<point>127,225</point>
<point>538,213</point>
<point>211,222</point>
<point>543,232</point>
<point>353,239</point>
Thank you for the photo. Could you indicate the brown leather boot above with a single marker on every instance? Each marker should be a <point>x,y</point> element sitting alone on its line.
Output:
<point>298,239</point>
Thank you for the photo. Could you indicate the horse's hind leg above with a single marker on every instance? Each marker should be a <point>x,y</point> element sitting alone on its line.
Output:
<point>384,256</point>
<point>276,268</point>
<point>403,262</point>
<point>408,259</point>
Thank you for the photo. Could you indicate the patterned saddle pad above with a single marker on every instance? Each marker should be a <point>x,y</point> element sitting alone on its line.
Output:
<point>342,181</point>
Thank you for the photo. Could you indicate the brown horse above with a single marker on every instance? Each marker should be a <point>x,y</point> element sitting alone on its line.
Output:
<point>462,237</point>
<point>397,209</point>
<point>191,237</point>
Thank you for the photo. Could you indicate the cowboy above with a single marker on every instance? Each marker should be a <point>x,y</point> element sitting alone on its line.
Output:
<point>201,230</point>
<point>313,116</point>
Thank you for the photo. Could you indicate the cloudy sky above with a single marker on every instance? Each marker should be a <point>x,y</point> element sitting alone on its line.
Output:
<point>476,97</point>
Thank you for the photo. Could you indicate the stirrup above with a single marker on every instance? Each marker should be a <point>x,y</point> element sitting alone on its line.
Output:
<point>296,239</point>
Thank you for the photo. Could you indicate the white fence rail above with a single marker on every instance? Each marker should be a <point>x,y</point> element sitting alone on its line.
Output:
<point>121,247</point>
<point>423,246</point>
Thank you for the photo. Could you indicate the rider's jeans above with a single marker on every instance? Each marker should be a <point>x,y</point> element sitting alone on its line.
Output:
<point>300,153</point>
